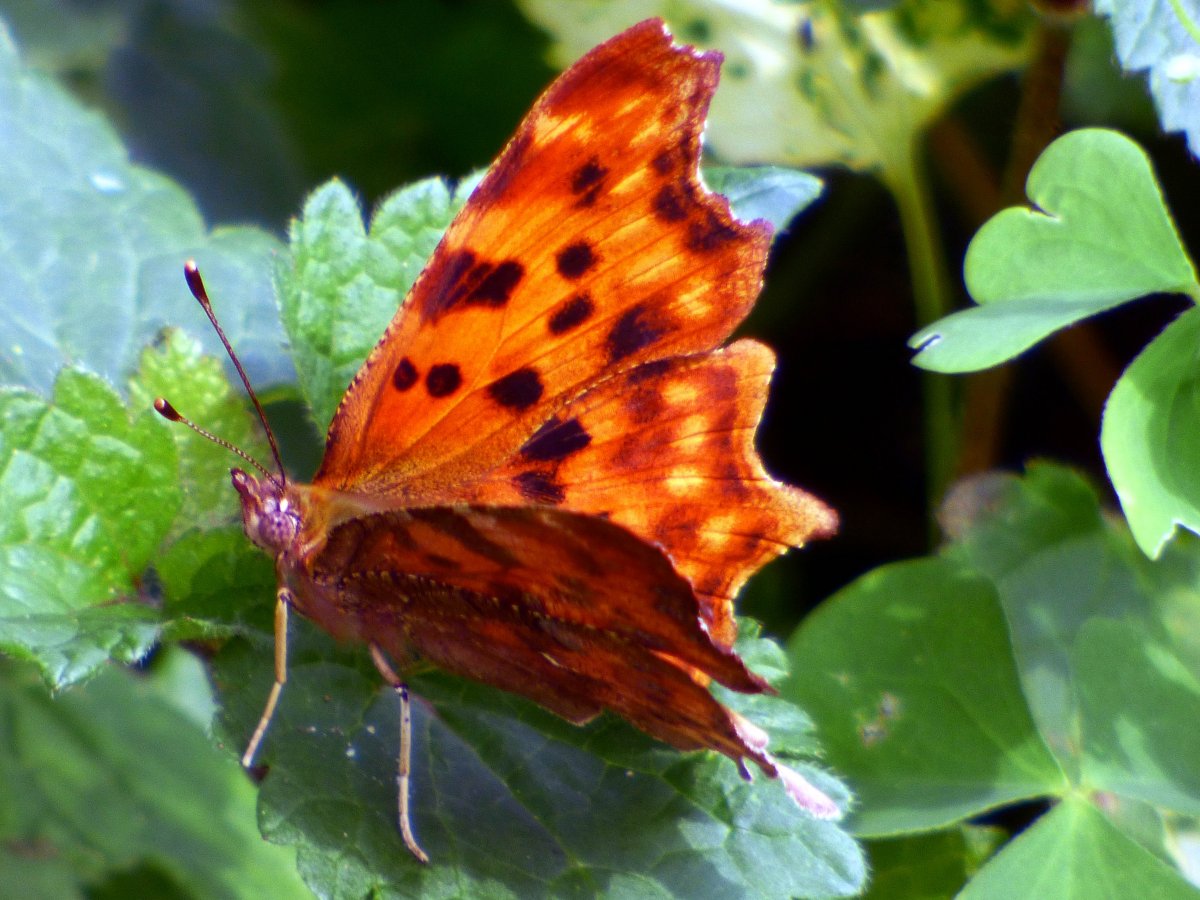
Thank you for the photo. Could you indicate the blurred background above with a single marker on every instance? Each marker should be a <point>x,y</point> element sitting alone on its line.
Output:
<point>250,105</point>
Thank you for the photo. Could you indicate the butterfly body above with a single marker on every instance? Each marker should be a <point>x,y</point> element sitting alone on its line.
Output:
<point>544,476</point>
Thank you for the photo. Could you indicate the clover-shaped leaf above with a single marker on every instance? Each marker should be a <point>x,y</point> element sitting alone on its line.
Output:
<point>1151,435</point>
<point>1098,236</point>
<point>1073,853</point>
<point>1087,694</point>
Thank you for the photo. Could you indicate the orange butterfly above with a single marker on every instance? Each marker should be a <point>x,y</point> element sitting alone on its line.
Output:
<point>544,476</point>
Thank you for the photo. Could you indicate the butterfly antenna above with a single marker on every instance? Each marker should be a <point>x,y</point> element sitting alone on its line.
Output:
<point>196,286</point>
<point>164,408</point>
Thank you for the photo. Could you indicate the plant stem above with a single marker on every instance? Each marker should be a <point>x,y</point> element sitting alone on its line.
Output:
<point>1185,20</point>
<point>905,176</point>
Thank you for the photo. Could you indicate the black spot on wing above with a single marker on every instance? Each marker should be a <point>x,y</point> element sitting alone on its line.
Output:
<point>405,376</point>
<point>466,280</point>
<point>496,285</point>
<point>556,440</point>
<point>571,314</point>
<point>710,234</point>
<point>575,259</point>
<point>588,181</point>
<point>517,390</point>
<point>668,204</point>
<point>443,380</point>
<point>539,487</point>
<point>648,371</point>
<point>632,332</point>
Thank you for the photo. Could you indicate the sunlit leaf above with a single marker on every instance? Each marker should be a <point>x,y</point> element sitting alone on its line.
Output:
<point>1098,235</point>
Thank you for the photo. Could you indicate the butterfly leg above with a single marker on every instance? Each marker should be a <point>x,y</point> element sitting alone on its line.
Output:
<point>404,764</point>
<point>282,601</point>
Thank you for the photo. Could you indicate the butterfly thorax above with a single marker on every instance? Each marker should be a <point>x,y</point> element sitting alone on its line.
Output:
<point>271,516</point>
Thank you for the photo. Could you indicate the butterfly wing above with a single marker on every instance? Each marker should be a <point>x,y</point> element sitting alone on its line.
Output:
<point>590,247</point>
<point>554,367</point>
<point>667,450</point>
<point>569,610</point>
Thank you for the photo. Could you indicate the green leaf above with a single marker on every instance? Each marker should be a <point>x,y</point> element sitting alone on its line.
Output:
<point>929,725</point>
<point>216,584</point>
<point>997,521</point>
<point>106,245</point>
<point>340,285</point>
<point>1040,654</point>
<point>809,84</point>
<point>1074,853</point>
<point>1160,39</point>
<point>86,496</point>
<point>1151,435</point>
<point>765,192</point>
<point>1056,565</point>
<point>1100,634</point>
<point>791,728</point>
<point>1139,702</point>
<point>25,871</point>
<point>1098,236</point>
<point>112,776</point>
<point>510,800</point>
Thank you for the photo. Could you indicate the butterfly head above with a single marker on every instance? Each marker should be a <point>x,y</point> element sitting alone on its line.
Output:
<point>270,516</point>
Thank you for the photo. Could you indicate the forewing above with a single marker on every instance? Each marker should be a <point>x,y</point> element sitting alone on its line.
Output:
<point>590,247</point>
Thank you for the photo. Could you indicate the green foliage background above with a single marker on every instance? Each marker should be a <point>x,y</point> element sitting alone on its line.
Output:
<point>994,668</point>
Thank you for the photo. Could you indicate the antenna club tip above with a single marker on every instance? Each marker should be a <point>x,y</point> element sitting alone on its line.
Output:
<point>195,283</point>
<point>166,410</point>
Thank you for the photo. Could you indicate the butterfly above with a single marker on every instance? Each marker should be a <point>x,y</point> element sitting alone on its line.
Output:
<point>544,476</point>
